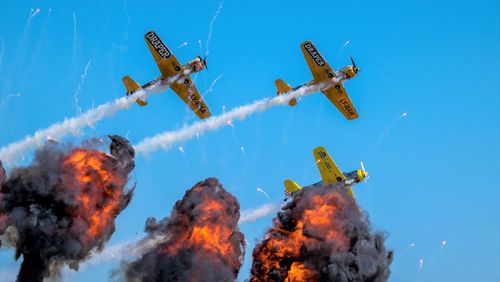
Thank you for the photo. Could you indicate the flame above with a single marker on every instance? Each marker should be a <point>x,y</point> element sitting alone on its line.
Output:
<point>209,231</point>
<point>97,188</point>
<point>284,246</point>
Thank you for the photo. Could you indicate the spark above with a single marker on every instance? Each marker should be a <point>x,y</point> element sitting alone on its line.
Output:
<point>230,123</point>
<point>242,150</point>
<point>263,192</point>
<point>420,264</point>
<point>412,245</point>
<point>182,150</point>
<point>209,37</point>
<point>3,102</point>
<point>182,45</point>
<point>343,47</point>
<point>212,85</point>
<point>34,12</point>
<point>79,88</point>
<point>443,243</point>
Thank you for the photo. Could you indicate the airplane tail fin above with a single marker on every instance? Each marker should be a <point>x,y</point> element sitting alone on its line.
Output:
<point>283,87</point>
<point>132,87</point>
<point>291,187</point>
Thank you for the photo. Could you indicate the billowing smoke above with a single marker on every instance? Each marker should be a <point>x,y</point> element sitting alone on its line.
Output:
<point>321,236</point>
<point>201,240</point>
<point>63,205</point>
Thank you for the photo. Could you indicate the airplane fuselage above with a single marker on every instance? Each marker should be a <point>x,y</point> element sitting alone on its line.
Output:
<point>192,66</point>
<point>351,178</point>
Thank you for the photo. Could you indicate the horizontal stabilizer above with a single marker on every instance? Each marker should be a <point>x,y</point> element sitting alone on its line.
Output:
<point>283,88</point>
<point>132,87</point>
<point>291,187</point>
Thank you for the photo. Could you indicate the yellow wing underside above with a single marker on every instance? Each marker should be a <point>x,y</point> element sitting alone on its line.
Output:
<point>170,66</point>
<point>329,171</point>
<point>338,96</point>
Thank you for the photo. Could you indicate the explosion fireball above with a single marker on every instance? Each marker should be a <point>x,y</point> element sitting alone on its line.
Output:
<point>321,236</point>
<point>63,205</point>
<point>202,241</point>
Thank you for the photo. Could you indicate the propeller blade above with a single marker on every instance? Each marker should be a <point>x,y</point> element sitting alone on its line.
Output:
<point>362,166</point>
<point>353,63</point>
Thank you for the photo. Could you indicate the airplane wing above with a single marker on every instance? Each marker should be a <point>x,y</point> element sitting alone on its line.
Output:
<point>338,96</point>
<point>187,91</point>
<point>329,171</point>
<point>319,67</point>
<point>166,61</point>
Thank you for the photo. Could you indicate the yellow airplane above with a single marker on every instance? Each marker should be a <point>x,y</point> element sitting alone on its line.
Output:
<point>322,72</point>
<point>330,174</point>
<point>170,67</point>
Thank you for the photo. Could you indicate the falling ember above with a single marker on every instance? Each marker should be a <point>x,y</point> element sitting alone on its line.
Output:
<point>420,264</point>
<point>202,242</point>
<point>64,205</point>
<point>182,150</point>
<point>321,236</point>
<point>443,243</point>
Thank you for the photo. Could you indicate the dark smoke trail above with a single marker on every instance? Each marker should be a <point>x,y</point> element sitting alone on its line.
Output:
<point>321,236</point>
<point>201,239</point>
<point>63,205</point>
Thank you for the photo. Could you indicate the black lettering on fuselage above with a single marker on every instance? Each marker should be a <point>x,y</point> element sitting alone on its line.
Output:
<point>318,59</point>
<point>159,46</point>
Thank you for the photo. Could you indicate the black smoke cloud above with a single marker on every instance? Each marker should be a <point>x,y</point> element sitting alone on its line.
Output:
<point>321,235</point>
<point>200,240</point>
<point>55,211</point>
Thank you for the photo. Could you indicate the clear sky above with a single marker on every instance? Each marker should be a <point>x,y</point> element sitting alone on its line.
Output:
<point>434,174</point>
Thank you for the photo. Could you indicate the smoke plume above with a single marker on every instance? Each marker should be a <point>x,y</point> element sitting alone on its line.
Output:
<point>63,205</point>
<point>321,236</point>
<point>201,240</point>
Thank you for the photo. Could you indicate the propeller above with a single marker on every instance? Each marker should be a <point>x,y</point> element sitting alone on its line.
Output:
<point>356,69</point>
<point>203,61</point>
<point>365,173</point>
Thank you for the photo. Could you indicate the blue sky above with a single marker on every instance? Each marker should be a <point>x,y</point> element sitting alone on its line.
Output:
<point>434,174</point>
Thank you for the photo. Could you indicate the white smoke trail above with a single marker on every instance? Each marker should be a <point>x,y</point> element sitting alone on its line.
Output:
<point>209,37</point>
<point>165,140</point>
<point>121,251</point>
<point>9,153</point>
<point>79,88</point>
<point>252,215</point>
<point>263,192</point>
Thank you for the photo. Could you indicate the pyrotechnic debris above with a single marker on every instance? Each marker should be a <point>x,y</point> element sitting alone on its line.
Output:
<point>321,236</point>
<point>263,192</point>
<point>62,206</point>
<point>201,240</point>
<point>79,88</point>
